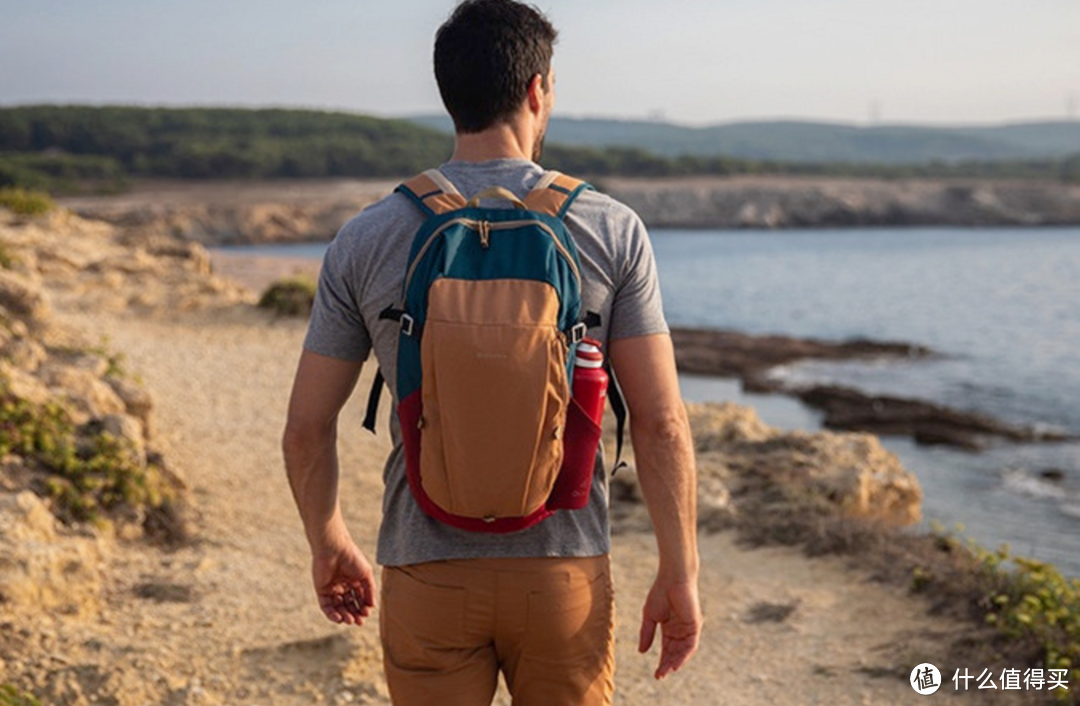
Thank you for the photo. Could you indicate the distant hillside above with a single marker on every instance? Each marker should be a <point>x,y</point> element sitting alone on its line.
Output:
<point>50,142</point>
<point>793,141</point>
<point>76,149</point>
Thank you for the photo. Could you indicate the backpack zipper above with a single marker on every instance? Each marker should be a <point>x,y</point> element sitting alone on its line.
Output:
<point>506,225</point>
<point>467,222</point>
<point>484,229</point>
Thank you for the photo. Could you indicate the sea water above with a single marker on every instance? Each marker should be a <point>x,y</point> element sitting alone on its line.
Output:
<point>1001,306</point>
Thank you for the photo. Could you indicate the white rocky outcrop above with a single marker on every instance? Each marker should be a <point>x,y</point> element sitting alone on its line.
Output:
<point>853,471</point>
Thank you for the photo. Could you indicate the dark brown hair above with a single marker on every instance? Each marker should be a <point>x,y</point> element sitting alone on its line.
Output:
<point>485,56</point>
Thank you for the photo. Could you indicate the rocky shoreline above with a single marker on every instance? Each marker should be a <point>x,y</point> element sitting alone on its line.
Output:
<point>749,358</point>
<point>229,213</point>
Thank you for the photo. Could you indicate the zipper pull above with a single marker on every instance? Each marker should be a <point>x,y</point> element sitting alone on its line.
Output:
<point>485,234</point>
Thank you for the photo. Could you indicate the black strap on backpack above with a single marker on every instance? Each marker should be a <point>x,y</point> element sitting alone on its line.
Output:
<point>373,400</point>
<point>618,408</point>
<point>387,314</point>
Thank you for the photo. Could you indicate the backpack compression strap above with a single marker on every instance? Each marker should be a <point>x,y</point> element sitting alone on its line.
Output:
<point>433,193</point>
<point>554,193</point>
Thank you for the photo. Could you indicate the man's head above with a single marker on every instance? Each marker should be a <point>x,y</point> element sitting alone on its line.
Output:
<point>488,56</point>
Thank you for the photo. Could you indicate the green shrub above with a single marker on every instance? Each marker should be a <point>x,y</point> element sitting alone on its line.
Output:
<point>7,260</point>
<point>11,696</point>
<point>89,477</point>
<point>292,296</point>
<point>1033,608</point>
<point>26,203</point>
<point>1035,602</point>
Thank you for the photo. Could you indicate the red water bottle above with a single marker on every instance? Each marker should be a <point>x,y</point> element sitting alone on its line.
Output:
<point>583,429</point>
<point>590,380</point>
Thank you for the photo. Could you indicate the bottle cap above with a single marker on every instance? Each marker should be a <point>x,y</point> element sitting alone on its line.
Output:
<point>588,356</point>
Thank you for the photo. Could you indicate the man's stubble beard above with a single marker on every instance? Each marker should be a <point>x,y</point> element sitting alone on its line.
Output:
<point>538,147</point>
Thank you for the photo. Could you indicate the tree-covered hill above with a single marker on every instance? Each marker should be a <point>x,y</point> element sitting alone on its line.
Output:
<point>212,142</point>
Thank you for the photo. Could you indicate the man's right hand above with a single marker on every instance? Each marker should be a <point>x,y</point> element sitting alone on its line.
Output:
<point>345,583</point>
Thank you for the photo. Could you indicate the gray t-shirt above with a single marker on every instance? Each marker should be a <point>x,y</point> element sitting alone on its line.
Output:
<point>363,273</point>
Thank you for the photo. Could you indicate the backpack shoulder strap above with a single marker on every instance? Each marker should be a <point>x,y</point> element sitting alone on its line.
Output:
<point>554,193</point>
<point>433,193</point>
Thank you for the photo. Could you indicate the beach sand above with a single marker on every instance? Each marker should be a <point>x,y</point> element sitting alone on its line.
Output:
<point>249,631</point>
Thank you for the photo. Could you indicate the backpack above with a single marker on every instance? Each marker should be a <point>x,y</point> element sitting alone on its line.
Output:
<point>490,319</point>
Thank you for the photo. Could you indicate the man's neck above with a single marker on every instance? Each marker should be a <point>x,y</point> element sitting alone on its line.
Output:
<point>502,141</point>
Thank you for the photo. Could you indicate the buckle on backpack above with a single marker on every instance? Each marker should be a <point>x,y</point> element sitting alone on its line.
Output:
<point>577,333</point>
<point>407,324</point>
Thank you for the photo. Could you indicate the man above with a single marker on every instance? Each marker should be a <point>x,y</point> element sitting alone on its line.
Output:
<point>458,607</point>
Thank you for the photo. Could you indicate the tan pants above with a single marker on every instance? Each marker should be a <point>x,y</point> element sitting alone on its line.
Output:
<point>448,628</point>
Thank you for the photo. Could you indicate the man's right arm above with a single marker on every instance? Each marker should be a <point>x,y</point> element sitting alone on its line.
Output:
<point>343,578</point>
<point>664,457</point>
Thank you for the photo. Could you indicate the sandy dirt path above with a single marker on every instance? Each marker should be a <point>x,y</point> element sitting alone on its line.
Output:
<point>246,629</point>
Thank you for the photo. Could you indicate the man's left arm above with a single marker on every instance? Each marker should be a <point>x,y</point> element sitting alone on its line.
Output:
<point>343,577</point>
<point>664,459</point>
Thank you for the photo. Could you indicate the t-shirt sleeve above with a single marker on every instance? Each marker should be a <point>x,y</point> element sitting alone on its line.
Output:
<point>637,309</point>
<point>337,327</point>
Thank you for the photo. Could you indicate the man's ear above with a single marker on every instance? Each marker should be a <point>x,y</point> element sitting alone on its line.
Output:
<point>536,93</point>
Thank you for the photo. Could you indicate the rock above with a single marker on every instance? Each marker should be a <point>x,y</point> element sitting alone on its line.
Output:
<point>93,363</point>
<point>16,327</point>
<point>853,472</point>
<point>23,299</point>
<point>14,473</point>
<point>928,423</point>
<point>739,456</point>
<point>133,262</point>
<point>716,510</point>
<point>91,397</point>
<point>868,479</point>
<point>24,353</point>
<point>24,385</point>
<point>39,573</point>
<point>25,518</point>
<point>715,426</point>
<point>128,429</point>
<point>195,257</point>
<point>1054,475</point>
<point>142,265</point>
<point>137,399</point>
<point>734,354</point>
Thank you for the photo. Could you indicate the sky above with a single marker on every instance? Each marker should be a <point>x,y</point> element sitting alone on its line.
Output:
<point>693,62</point>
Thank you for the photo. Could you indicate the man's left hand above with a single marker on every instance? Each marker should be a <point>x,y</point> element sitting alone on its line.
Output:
<point>675,608</point>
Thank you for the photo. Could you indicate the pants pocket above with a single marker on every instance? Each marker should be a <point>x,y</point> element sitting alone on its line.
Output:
<point>571,624</point>
<point>419,620</point>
